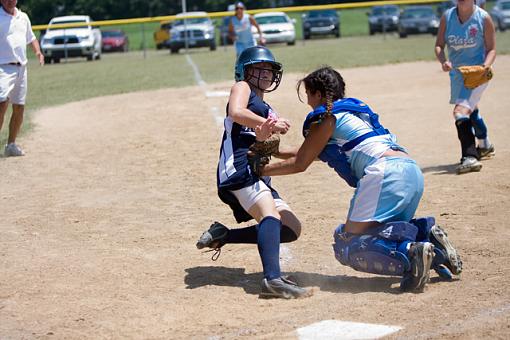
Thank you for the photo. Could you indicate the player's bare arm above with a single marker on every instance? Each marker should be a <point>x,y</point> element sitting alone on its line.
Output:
<point>310,149</point>
<point>440,45</point>
<point>237,106</point>
<point>490,42</point>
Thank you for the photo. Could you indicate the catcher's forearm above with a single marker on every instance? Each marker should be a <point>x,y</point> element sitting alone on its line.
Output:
<point>490,58</point>
<point>286,152</point>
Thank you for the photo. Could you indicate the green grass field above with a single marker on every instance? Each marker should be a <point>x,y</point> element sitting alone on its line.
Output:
<point>128,72</point>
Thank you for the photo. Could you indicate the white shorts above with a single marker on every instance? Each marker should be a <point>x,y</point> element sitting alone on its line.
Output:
<point>13,84</point>
<point>460,95</point>
<point>248,196</point>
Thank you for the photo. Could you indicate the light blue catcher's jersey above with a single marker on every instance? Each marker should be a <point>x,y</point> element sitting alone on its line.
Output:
<point>350,127</point>
<point>465,42</point>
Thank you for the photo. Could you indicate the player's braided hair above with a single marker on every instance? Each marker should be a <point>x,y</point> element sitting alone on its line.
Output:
<point>328,82</point>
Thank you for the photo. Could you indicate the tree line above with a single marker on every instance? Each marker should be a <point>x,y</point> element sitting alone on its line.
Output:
<point>41,11</point>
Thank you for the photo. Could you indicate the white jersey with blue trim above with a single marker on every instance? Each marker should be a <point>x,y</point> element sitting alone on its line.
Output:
<point>349,127</point>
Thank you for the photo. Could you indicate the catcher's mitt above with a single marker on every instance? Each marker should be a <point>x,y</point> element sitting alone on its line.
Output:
<point>260,152</point>
<point>475,75</point>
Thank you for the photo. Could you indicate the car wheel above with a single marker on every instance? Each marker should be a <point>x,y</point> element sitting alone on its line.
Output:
<point>98,56</point>
<point>290,43</point>
<point>174,50</point>
<point>47,60</point>
<point>306,36</point>
<point>56,60</point>
<point>337,33</point>
<point>213,46</point>
<point>402,34</point>
<point>371,31</point>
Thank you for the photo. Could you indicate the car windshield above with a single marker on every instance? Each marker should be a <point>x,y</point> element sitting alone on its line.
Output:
<point>111,34</point>
<point>318,14</point>
<point>192,21</point>
<point>276,19</point>
<point>417,13</point>
<point>67,22</point>
<point>384,10</point>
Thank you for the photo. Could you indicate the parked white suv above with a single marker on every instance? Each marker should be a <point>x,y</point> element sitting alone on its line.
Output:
<point>199,31</point>
<point>83,41</point>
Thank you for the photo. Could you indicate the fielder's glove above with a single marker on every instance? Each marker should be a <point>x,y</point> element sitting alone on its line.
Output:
<point>260,153</point>
<point>475,75</point>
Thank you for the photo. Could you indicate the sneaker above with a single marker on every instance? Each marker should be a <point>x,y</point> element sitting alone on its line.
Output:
<point>486,153</point>
<point>468,164</point>
<point>283,288</point>
<point>421,255</point>
<point>214,237</point>
<point>12,150</point>
<point>439,238</point>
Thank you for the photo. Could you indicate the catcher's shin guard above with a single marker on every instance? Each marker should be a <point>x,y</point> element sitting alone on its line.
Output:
<point>377,253</point>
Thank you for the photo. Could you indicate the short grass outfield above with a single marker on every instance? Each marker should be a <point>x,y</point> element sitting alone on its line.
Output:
<point>117,73</point>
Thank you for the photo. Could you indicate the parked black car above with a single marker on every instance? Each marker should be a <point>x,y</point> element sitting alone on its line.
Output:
<point>322,22</point>
<point>418,19</point>
<point>383,19</point>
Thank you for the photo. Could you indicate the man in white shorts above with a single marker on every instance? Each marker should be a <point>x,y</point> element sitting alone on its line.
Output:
<point>15,34</point>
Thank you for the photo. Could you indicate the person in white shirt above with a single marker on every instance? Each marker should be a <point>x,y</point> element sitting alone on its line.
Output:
<point>15,34</point>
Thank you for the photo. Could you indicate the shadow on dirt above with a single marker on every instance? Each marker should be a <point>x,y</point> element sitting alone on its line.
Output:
<point>448,169</point>
<point>236,277</point>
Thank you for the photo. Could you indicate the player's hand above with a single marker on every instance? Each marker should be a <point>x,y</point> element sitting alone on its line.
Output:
<point>446,66</point>
<point>40,58</point>
<point>262,41</point>
<point>282,126</point>
<point>264,130</point>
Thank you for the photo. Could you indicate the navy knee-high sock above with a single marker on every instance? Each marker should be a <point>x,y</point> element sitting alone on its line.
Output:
<point>249,235</point>
<point>466,137</point>
<point>268,241</point>
<point>478,124</point>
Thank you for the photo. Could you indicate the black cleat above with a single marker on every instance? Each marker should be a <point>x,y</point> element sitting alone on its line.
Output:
<point>439,238</point>
<point>283,288</point>
<point>214,237</point>
<point>486,153</point>
<point>421,254</point>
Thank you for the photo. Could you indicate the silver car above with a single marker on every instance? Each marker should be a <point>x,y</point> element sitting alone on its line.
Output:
<point>417,20</point>
<point>501,14</point>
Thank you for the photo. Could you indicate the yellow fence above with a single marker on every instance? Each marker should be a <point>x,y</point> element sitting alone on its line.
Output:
<point>226,13</point>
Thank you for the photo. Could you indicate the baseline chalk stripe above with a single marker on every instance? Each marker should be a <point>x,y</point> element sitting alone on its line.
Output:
<point>198,77</point>
<point>344,330</point>
<point>200,82</point>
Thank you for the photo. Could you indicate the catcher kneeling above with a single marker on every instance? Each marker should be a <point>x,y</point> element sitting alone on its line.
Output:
<point>380,235</point>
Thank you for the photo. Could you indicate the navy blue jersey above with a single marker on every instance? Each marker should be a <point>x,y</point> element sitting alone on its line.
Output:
<point>233,171</point>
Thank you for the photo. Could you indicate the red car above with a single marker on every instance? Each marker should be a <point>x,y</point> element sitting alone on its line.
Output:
<point>115,40</point>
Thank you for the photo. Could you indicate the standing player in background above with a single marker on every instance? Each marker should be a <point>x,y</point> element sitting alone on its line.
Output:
<point>380,235</point>
<point>240,29</point>
<point>15,34</point>
<point>469,34</point>
<point>248,195</point>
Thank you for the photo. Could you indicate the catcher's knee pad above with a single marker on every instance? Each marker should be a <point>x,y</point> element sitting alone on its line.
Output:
<point>377,252</point>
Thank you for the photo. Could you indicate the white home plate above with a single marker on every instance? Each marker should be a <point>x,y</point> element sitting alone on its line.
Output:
<point>333,329</point>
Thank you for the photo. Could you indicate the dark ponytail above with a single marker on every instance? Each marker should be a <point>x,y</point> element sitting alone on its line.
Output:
<point>328,82</point>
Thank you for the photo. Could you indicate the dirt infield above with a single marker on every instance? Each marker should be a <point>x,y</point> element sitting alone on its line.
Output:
<point>98,222</point>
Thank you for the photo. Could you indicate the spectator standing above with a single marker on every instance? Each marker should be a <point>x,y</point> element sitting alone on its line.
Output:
<point>240,29</point>
<point>15,34</point>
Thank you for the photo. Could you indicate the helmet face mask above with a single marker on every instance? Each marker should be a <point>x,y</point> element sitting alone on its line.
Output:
<point>247,69</point>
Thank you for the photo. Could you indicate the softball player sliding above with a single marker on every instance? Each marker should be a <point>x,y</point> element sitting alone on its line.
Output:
<point>248,195</point>
<point>379,235</point>
<point>468,32</point>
